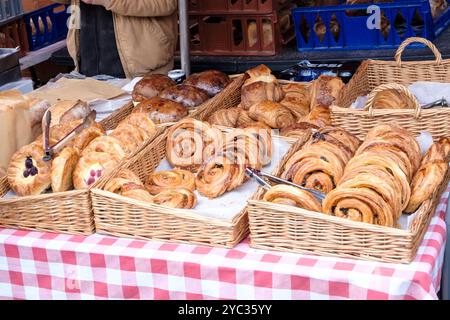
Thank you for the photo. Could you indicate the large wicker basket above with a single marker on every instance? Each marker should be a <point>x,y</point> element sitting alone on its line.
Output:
<point>372,74</point>
<point>120,216</point>
<point>65,212</point>
<point>286,228</point>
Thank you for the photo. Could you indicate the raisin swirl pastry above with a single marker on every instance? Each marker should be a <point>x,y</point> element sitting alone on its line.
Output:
<point>190,143</point>
<point>189,96</point>
<point>221,173</point>
<point>211,81</point>
<point>150,86</point>
<point>164,180</point>
<point>291,196</point>
<point>28,174</point>
<point>179,198</point>
<point>271,113</point>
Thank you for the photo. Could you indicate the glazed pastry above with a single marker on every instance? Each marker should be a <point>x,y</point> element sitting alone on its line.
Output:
<point>162,110</point>
<point>129,137</point>
<point>392,99</point>
<point>225,117</point>
<point>125,176</point>
<point>325,90</point>
<point>82,140</point>
<point>91,167</point>
<point>260,86</point>
<point>188,96</point>
<point>298,130</point>
<point>105,144</point>
<point>179,198</point>
<point>68,111</point>
<point>296,99</point>
<point>62,169</point>
<point>137,192</point>
<point>211,81</point>
<point>28,174</point>
<point>146,126</point>
<point>219,174</point>
<point>273,114</point>
<point>150,86</point>
<point>319,116</point>
<point>291,196</point>
<point>190,143</point>
<point>161,181</point>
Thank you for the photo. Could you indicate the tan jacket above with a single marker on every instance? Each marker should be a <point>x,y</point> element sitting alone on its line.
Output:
<point>146,33</point>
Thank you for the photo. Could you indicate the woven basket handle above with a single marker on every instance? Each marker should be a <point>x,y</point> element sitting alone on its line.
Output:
<point>391,86</point>
<point>407,42</point>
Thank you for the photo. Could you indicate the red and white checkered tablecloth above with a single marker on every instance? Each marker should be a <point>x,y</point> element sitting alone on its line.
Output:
<point>37,265</point>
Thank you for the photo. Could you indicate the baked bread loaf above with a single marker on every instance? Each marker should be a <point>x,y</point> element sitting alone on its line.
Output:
<point>211,81</point>
<point>189,96</point>
<point>62,170</point>
<point>28,174</point>
<point>325,90</point>
<point>161,110</point>
<point>150,86</point>
<point>296,99</point>
<point>260,86</point>
<point>273,114</point>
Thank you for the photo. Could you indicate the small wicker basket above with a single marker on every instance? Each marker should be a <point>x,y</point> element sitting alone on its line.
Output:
<point>285,228</point>
<point>373,74</point>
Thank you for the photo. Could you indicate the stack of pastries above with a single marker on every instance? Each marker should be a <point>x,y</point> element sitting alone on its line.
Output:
<point>204,160</point>
<point>291,108</point>
<point>81,161</point>
<point>166,102</point>
<point>386,176</point>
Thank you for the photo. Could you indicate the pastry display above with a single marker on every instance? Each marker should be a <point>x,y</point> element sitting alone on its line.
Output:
<point>189,96</point>
<point>375,187</point>
<point>260,86</point>
<point>211,81</point>
<point>179,198</point>
<point>62,169</point>
<point>392,99</point>
<point>321,162</point>
<point>28,174</point>
<point>162,110</point>
<point>273,114</point>
<point>190,143</point>
<point>151,86</point>
<point>296,99</point>
<point>292,196</point>
<point>325,90</point>
<point>165,180</point>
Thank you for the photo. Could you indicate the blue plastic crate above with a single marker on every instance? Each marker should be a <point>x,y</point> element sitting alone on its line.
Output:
<point>344,27</point>
<point>46,26</point>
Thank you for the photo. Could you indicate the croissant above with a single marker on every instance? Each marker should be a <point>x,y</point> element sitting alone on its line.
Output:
<point>392,99</point>
<point>319,116</point>
<point>179,198</point>
<point>221,173</point>
<point>291,196</point>
<point>161,181</point>
<point>298,130</point>
<point>260,86</point>
<point>244,119</point>
<point>190,143</point>
<point>296,99</point>
<point>271,113</point>
<point>225,117</point>
<point>325,91</point>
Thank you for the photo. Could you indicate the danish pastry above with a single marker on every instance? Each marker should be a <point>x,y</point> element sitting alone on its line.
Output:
<point>164,180</point>
<point>105,144</point>
<point>137,192</point>
<point>143,122</point>
<point>291,196</point>
<point>211,81</point>
<point>188,96</point>
<point>91,167</point>
<point>125,176</point>
<point>178,198</point>
<point>62,169</point>
<point>162,110</point>
<point>129,137</point>
<point>28,174</point>
<point>150,86</point>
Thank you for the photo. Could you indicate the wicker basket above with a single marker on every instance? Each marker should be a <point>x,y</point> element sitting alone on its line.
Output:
<point>66,212</point>
<point>285,228</point>
<point>372,74</point>
<point>120,216</point>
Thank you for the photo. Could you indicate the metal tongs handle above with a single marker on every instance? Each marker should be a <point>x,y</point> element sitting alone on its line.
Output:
<point>438,103</point>
<point>258,175</point>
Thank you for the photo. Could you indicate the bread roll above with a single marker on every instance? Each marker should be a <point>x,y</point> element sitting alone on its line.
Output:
<point>188,96</point>
<point>150,86</point>
<point>162,110</point>
<point>211,81</point>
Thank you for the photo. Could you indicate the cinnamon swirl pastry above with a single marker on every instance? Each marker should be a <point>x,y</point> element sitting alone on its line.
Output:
<point>260,86</point>
<point>161,110</point>
<point>325,90</point>
<point>137,192</point>
<point>225,117</point>
<point>221,173</point>
<point>190,143</point>
<point>296,99</point>
<point>211,81</point>
<point>271,113</point>
<point>62,169</point>
<point>164,180</point>
<point>91,167</point>
<point>188,96</point>
<point>150,86</point>
<point>179,198</point>
<point>294,197</point>
<point>28,174</point>
<point>125,176</point>
<point>392,99</point>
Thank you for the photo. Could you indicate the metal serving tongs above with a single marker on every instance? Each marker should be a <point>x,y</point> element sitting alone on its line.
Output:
<point>438,103</point>
<point>51,150</point>
<point>259,176</point>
